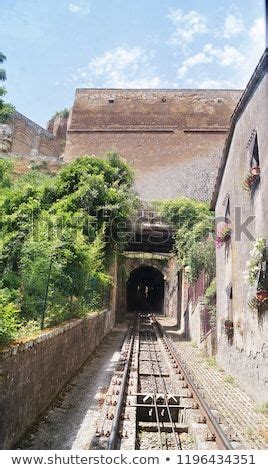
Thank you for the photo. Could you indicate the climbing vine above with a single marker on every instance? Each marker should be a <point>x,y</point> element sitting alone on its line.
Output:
<point>194,228</point>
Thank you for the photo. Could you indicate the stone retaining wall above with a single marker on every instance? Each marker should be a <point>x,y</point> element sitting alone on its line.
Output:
<point>33,373</point>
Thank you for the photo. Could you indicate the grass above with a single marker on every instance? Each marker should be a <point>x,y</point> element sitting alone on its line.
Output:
<point>262,408</point>
<point>193,344</point>
<point>211,361</point>
<point>229,379</point>
<point>249,433</point>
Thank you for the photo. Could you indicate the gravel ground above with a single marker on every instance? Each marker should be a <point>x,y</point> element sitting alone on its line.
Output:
<point>70,422</point>
<point>150,440</point>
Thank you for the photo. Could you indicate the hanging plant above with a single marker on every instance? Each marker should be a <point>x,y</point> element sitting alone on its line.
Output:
<point>254,263</point>
<point>255,171</point>
<point>259,302</point>
<point>228,328</point>
<point>223,235</point>
<point>252,179</point>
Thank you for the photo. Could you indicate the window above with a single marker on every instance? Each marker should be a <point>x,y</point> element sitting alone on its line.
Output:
<point>228,211</point>
<point>111,100</point>
<point>254,159</point>
<point>252,178</point>
<point>228,323</point>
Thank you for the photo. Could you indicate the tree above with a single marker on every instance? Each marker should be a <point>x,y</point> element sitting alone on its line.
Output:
<point>59,236</point>
<point>6,109</point>
<point>63,113</point>
<point>3,75</point>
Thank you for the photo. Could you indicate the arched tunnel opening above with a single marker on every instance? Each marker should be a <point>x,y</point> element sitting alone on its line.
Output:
<point>145,290</point>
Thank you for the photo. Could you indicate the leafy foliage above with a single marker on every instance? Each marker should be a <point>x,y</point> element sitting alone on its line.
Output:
<point>60,236</point>
<point>9,320</point>
<point>254,263</point>
<point>194,227</point>
<point>210,301</point>
<point>63,113</point>
<point>6,109</point>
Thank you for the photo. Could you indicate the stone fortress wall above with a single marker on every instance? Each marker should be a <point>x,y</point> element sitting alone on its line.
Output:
<point>173,139</point>
<point>21,136</point>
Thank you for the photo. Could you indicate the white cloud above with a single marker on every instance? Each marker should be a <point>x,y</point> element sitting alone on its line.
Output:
<point>255,48</point>
<point>226,56</point>
<point>196,59</point>
<point>233,26</point>
<point>257,31</point>
<point>186,26</point>
<point>120,68</point>
<point>82,7</point>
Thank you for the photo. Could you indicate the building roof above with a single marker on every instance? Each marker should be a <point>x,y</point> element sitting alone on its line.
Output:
<point>252,85</point>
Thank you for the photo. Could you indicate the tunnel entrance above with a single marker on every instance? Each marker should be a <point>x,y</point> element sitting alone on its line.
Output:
<point>145,290</point>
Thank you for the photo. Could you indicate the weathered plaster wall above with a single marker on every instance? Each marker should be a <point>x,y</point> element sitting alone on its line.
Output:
<point>247,356</point>
<point>195,326</point>
<point>33,373</point>
<point>173,136</point>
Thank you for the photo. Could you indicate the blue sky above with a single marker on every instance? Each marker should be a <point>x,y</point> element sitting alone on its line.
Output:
<point>55,46</point>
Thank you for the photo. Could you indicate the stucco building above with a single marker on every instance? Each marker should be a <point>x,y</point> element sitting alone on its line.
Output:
<point>241,197</point>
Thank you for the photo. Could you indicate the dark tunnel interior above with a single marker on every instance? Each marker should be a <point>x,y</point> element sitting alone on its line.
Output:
<point>145,290</point>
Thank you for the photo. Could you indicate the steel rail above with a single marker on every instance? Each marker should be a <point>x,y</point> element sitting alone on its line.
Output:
<point>153,379</point>
<point>107,405</point>
<point>113,438</point>
<point>222,441</point>
<point>176,440</point>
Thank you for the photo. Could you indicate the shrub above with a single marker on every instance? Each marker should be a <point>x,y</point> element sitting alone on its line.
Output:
<point>58,243</point>
<point>9,318</point>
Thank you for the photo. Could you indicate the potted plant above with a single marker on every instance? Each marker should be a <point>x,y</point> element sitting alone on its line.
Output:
<point>229,328</point>
<point>251,179</point>
<point>258,303</point>
<point>223,235</point>
<point>255,171</point>
<point>262,295</point>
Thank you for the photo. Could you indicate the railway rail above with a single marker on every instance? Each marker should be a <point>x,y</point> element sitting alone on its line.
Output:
<point>151,394</point>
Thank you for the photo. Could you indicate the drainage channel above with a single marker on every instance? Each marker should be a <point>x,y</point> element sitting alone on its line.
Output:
<point>152,401</point>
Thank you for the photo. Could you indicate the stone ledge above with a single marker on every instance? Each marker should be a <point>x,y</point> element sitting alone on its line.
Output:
<point>29,344</point>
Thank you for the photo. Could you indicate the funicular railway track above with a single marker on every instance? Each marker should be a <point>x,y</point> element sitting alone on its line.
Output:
<point>150,395</point>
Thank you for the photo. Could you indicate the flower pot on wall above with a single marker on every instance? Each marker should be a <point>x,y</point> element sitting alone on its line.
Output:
<point>251,181</point>
<point>226,237</point>
<point>255,170</point>
<point>262,295</point>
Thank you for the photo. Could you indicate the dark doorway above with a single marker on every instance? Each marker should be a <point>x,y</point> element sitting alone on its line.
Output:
<point>145,290</point>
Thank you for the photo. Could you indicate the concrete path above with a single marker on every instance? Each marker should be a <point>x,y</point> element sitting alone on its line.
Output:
<point>70,422</point>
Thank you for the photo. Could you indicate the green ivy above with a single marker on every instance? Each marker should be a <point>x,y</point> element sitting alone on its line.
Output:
<point>193,224</point>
